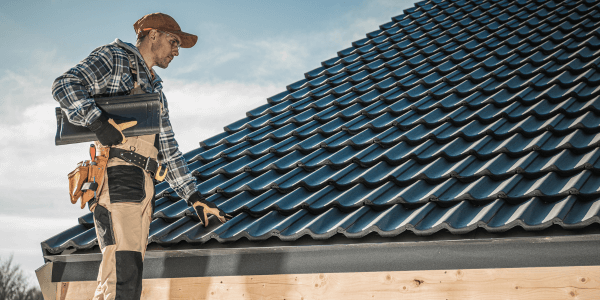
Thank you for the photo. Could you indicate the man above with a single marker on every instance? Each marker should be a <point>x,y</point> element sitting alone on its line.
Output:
<point>123,207</point>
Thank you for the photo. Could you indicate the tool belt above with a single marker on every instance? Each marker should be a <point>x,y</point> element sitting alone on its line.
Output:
<point>147,163</point>
<point>85,182</point>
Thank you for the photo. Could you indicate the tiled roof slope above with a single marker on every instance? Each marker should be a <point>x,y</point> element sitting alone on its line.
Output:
<point>454,115</point>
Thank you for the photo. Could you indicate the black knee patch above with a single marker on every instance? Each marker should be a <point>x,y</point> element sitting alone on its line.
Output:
<point>126,184</point>
<point>103,223</point>
<point>130,267</point>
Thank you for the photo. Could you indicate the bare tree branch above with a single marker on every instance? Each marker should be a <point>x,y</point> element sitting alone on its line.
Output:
<point>13,284</point>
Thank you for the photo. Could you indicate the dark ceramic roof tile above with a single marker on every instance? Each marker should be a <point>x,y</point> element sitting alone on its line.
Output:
<point>454,115</point>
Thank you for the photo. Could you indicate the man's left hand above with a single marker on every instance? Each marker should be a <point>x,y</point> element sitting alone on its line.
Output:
<point>203,208</point>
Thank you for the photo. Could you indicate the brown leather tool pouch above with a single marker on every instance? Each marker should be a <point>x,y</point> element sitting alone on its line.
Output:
<point>76,180</point>
<point>86,180</point>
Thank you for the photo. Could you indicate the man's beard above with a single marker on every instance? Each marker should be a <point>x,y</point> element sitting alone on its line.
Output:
<point>163,63</point>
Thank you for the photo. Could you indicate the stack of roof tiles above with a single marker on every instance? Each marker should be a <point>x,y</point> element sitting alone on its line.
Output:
<point>454,115</point>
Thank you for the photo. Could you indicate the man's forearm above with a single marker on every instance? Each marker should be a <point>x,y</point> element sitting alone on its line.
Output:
<point>178,176</point>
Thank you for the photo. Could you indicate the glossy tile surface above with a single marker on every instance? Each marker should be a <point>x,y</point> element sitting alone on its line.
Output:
<point>454,115</point>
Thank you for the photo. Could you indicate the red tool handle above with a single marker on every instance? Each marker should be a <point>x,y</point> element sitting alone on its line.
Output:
<point>93,152</point>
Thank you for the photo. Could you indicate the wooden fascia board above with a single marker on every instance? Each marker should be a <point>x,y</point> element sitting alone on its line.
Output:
<point>581,282</point>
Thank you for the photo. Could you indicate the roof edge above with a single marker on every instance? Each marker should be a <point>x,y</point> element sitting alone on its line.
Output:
<point>515,252</point>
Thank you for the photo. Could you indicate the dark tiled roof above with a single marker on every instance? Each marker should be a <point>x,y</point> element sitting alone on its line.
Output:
<point>454,115</point>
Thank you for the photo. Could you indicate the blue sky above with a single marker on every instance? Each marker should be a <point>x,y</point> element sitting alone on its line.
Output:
<point>246,51</point>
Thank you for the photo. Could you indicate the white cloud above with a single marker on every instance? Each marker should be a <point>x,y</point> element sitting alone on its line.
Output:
<point>283,59</point>
<point>27,152</point>
<point>200,110</point>
<point>26,87</point>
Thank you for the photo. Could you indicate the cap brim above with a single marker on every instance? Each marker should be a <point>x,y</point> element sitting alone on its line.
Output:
<point>187,40</point>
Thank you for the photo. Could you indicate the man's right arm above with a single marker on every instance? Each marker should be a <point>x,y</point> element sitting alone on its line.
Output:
<point>74,89</point>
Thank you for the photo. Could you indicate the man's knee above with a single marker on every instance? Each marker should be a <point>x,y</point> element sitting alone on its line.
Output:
<point>129,274</point>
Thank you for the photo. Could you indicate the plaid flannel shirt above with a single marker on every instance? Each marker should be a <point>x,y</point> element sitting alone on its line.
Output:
<point>106,72</point>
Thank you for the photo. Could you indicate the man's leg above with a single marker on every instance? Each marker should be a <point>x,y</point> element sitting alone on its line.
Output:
<point>105,234</point>
<point>128,207</point>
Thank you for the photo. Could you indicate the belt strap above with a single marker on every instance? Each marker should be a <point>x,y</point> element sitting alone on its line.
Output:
<point>146,163</point>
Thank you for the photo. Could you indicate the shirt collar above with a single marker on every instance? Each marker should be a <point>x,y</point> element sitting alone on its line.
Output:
<point>137,53</point>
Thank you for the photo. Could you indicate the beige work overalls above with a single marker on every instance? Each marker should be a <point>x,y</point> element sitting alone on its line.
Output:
<point>122,216</point>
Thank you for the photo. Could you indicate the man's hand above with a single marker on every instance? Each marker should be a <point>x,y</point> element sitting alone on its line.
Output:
<point>203,208</point>
<point>108,132</point>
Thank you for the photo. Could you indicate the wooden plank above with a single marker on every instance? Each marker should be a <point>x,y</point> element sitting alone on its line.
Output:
<point>44,277</point>
<point>63,289</point>
<point>517,283</point>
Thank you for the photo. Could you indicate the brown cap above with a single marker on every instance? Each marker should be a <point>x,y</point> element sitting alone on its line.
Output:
<point>163,22</point>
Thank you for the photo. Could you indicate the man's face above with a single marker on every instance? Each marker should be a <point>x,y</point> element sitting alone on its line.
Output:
<point>165,49</point>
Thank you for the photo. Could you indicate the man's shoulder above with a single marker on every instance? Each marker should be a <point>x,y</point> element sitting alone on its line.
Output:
<point>112,49</point>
